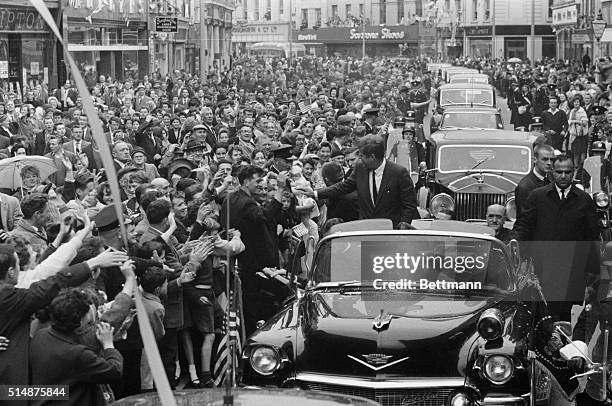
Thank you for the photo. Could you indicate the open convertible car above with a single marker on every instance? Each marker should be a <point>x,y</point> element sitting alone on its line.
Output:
<point>433,316</point>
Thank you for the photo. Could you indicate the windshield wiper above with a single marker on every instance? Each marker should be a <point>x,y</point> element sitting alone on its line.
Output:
<point>450,101</point>
<point>482,161</point>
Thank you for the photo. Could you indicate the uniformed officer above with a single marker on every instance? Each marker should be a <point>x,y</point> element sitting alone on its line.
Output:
<point>536,125</point>
<point>403,101</point>
<point>598,123</point>
<point>282,158</point>
<point>419,103</point>
<point>369,116</point>
<point>540,102</point>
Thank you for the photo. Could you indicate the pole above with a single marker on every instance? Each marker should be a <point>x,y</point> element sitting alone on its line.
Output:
<point>203,40</point>
<point>290,33</point>
<point>493,30</point>
<point>363,50</point>
<point>532,32</point>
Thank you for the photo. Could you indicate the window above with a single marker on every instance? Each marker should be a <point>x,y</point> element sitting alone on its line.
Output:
<point>550,11</point>
<point>400,12</point>
<point>304,18</point>
<point>419,9</point>
<point>487,10</point>
<point>475,10</point>
<point>334,11</point>
<point>382,18</point>
<point>256,11</point>
<point>348,10</point>
<point>318,17</point>
<point>268,15</point>
<point>281,7</point>
<point>245,11</point>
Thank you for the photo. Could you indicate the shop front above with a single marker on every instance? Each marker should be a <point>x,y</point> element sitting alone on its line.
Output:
<point>512,41</point>
<point>111,41</point>
<point>245,35</point>
<point>28,49</point>
<point>565,19</point>
<point>348,41</point>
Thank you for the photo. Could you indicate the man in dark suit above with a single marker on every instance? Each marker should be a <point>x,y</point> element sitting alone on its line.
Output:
<point>384,188</point>
<point>65,162</point>
<point>346,206</point>
<point>77,146</point>
<point>561,224</point>
<point>257,224</point>
<point>543,156</point>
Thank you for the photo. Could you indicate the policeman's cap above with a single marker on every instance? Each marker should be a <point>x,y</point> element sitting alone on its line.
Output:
<point>283,151</point>
<point>598,146</point>
<point>599,110</point>
<point>106,219</point>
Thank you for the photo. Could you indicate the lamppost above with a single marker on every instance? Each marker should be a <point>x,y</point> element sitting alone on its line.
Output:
<point>599,26</point>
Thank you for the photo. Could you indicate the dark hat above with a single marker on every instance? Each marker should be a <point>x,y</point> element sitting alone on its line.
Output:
<point>283,151</point>
<point>194,144</point>
<point>124,171</point>
<point>599,110</point>
<point>371,111</point>
<point>399,120</point>
<point>410,116</point>
<point>332,171</point>
<point>537,121</point>
<point>138,149</point>
<point>106,219</point>
<point>598,146</point>
<point>180,163</point>
<point>551,86</point>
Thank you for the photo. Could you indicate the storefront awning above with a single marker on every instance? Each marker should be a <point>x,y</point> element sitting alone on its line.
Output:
<point>607,35</point>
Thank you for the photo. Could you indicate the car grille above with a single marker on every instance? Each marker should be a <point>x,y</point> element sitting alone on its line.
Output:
<point>474,205</point>
<point>389,397</point>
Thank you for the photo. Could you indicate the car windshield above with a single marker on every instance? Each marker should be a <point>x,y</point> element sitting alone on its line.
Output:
<point>469,79</point>
<point>439,265</point>
<point>469,119</point>
<point>499,158</point>
<point>482,97</point>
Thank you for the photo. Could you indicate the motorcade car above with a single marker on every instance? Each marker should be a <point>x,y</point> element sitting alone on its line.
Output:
<point>460,117</point>
<point>466,94</point>
<point>439,315</point>
<point>474,168</point>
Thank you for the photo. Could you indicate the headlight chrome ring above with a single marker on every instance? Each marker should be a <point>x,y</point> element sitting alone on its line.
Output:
<point>441,201</point>
<point>601,199</point>
<point>498,369</point>
<point>265,360</point>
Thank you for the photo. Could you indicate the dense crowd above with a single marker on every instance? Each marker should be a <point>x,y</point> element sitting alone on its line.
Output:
<point>256,163</point>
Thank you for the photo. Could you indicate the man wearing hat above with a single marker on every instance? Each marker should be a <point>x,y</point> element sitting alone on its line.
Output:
<point>419,103</point>
<point>141,99</point>
<point>282,158</point>
<point>369,117</point>
<point>139,161</point>
<point>403,101</point>
<point>197,152</point>
<point>598,122</point>
<point>540,102</point>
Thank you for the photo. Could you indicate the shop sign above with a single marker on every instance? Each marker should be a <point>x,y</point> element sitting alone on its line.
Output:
<point>355,34</point>
<point>34,70</point>
<point>260,32</point>
<point>166,24</point>
<point>21,19</point>
<point>4,70</point>
<point>581,38</point>
<point>565,15</point>
<point>478,32</point>
<point>255,29</point>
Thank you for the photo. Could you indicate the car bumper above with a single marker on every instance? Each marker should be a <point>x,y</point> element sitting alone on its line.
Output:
<point>395,392</point>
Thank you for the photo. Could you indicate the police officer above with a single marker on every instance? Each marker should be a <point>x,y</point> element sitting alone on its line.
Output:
<point>598,123</point>
<point>540,102</point>
<point>419,103</point>
<point>282,158</point>
<point>403,101</point>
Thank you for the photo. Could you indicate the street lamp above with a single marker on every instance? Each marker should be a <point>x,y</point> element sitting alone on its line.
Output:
<point>599,26</point>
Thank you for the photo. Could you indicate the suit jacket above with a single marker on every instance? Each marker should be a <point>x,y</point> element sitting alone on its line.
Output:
<point>527,185</point>
<point>87,148</point>
<point>58,177</point>
<point>10,210</point>
<point>253,220</point>
<point>564,237</point>
<point>16,309</point>
<point>139,103</point>
<point>396,196</point>
<point>58,358</point>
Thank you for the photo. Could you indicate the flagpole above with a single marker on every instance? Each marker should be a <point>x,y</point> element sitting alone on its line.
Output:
<point>231,301</point>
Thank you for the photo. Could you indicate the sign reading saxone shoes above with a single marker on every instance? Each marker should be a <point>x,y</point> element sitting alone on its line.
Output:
<point>384,34</point>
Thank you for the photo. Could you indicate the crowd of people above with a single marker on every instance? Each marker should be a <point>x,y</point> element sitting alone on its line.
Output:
<point>257,164</point>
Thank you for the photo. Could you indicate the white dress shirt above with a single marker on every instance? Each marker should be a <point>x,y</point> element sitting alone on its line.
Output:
<point>562,192</point>
<point>378,174</point>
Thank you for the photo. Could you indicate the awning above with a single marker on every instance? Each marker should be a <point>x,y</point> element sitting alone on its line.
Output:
<point>607,35</point>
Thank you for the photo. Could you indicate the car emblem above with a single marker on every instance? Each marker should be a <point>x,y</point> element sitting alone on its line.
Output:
<point>382,321</point>
<point>377,362</point>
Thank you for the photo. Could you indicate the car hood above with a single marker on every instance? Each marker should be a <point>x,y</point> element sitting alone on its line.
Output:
<point>336,342</point>
<point>480,182</point>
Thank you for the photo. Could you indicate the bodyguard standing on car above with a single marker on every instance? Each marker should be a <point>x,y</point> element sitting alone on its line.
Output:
<point>560,223</point>
<point>543,156</point>
<point>384,188</point>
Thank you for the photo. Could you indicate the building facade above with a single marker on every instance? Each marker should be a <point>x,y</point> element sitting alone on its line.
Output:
<point>109,38</point>
<point>573,24</point>
<point>261,21</point>
<point>508,29</point>
<point>29,53</point>
<point>214,33</point>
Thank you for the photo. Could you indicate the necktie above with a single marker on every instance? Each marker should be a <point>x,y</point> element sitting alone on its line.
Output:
<point>563,194</point>
<point>78,147</point>
<point>374,191</point>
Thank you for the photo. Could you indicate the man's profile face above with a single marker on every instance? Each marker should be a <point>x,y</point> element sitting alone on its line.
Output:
<point>544,161</point>
<point>253,184</point>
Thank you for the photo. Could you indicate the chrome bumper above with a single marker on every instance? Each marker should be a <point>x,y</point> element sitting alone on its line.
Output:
<point>504,401</point>
<point>414,383</point>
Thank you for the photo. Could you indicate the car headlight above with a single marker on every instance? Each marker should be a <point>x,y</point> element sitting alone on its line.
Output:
<point>264,360</point>
<point>491,324</point>
<point>511,208</point>
<point>498,369</point>
<point>601,199</point>
<point>441,201</point>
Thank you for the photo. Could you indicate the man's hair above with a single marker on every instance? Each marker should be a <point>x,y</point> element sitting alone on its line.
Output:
<point>220,145</point>
<point>68,308</point>
<point>32,203</point>
<point>152,279</point>
<point>140,190</point>
<point>138,177</point>
<point>184,183</point>
<point>248,172</point>
<point>542,147</point>
<point>563,158</point>
<point>372,145</point>
<point>149,197</point>
<point>158,210</point>
<point>20,245</point>
<point>7,259</point>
